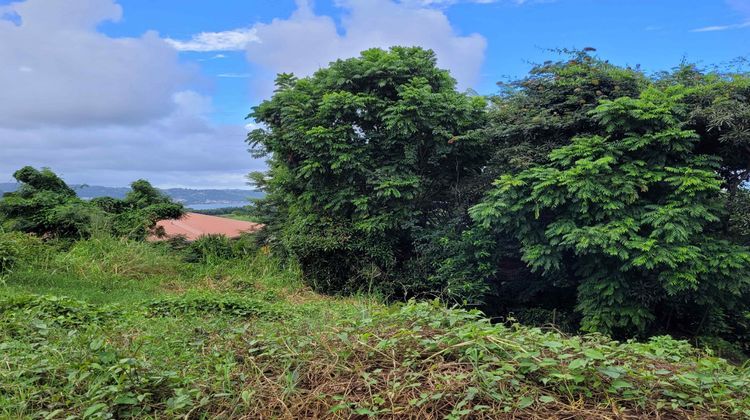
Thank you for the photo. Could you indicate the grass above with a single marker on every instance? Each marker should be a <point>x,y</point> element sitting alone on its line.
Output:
<point>117,329</point>
<point>237,216</point>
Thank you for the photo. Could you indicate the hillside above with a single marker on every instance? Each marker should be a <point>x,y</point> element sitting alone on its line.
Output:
<point>229,197</point>
<point>112,328</point>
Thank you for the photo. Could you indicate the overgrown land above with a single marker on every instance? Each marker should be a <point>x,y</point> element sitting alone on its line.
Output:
<point>117,328</point>
<point>575,246</point>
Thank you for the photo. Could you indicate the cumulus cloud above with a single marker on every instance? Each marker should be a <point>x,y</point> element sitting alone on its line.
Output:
<point>181,149</point>
<point>57,69</point>
<point>305,41</point>
<point>235,40</point>
<point>104,110</point>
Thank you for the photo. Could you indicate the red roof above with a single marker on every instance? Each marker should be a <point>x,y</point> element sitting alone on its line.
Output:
<point>194,225</point>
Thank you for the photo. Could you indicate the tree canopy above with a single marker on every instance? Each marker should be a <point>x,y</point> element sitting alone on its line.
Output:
<point>633,216</point>
<point>586,194</point>
<point>362,154</point>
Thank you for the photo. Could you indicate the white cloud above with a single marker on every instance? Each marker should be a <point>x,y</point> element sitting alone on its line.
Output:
<point>740,6</point>
<point>305,41</point>
<point>252,125</point>
<point>181,149</point>
<point>57,69</point>
<point>102,110</point>
<point>235,40</point>
<point>722,27</point>
<point>452,2</point>
<point>234,75</point>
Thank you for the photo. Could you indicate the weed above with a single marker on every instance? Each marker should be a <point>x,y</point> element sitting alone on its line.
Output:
<point>238,306</point>
<point>243,338</point>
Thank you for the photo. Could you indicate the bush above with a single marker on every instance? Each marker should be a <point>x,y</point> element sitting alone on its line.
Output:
<point>10,252</point>
<point>214,305</point>
<point>17,248</point>
<point>60,310</point>
<point>209,249</point>
<point>44,205</point>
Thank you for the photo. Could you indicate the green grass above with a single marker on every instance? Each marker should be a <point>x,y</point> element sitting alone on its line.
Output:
<point>237,216</point>
<point>122,329</point>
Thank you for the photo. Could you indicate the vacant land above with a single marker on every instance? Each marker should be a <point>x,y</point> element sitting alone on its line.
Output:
<point>111,328</point>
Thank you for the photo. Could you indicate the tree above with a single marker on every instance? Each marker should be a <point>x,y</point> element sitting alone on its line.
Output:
<point>363,155</point>
<point>136,215</point>
<point>527,119</point>
<point>45,205</point>
<point>632,218</point>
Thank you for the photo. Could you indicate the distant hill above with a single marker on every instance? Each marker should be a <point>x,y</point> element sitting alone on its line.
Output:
<point>187,196</point>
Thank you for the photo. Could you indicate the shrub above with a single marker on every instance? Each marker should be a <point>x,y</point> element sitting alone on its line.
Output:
<point>423,360</point>
<point>135,216</point>
<point>17,248</point>
<point>10,252</point>
<point>46,206</point>
<point>209,249</point>
<point>60,310</point>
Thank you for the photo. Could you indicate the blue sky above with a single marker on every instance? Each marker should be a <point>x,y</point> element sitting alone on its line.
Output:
<point>107,91</point>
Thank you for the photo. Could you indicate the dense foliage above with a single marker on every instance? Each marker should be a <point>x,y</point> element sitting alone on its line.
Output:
<point>628,219</point>
<point>46,206</point>
<point>136,214</point>
<point>362,155</point>
<point>586,194</point>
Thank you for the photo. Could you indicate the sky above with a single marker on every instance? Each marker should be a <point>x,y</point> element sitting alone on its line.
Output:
<point>105,92</point>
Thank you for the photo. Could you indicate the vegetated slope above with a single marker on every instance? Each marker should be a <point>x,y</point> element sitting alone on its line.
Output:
<point>144,334</point>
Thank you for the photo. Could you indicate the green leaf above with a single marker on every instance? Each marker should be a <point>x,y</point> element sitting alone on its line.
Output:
<point>593,354</point>
<point>525,402</point>
<point>577,363</point>
<point>94,409</point>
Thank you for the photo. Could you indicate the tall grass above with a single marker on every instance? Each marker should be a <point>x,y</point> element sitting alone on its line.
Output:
<point>110,328</point>
<point>106,257</point>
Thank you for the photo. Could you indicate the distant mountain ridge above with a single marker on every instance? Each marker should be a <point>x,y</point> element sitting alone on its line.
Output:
<point>183,195</point>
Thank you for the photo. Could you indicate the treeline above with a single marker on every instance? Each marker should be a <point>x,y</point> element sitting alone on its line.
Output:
<point>44,205</point>
<point>586,194</point>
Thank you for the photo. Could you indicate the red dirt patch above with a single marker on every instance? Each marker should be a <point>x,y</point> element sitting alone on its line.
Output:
<point>194,225</point>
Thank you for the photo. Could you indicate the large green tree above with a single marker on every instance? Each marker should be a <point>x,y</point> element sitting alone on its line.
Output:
<point>632,219</point>
<point>526,120</point>
<point>364,156</point>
